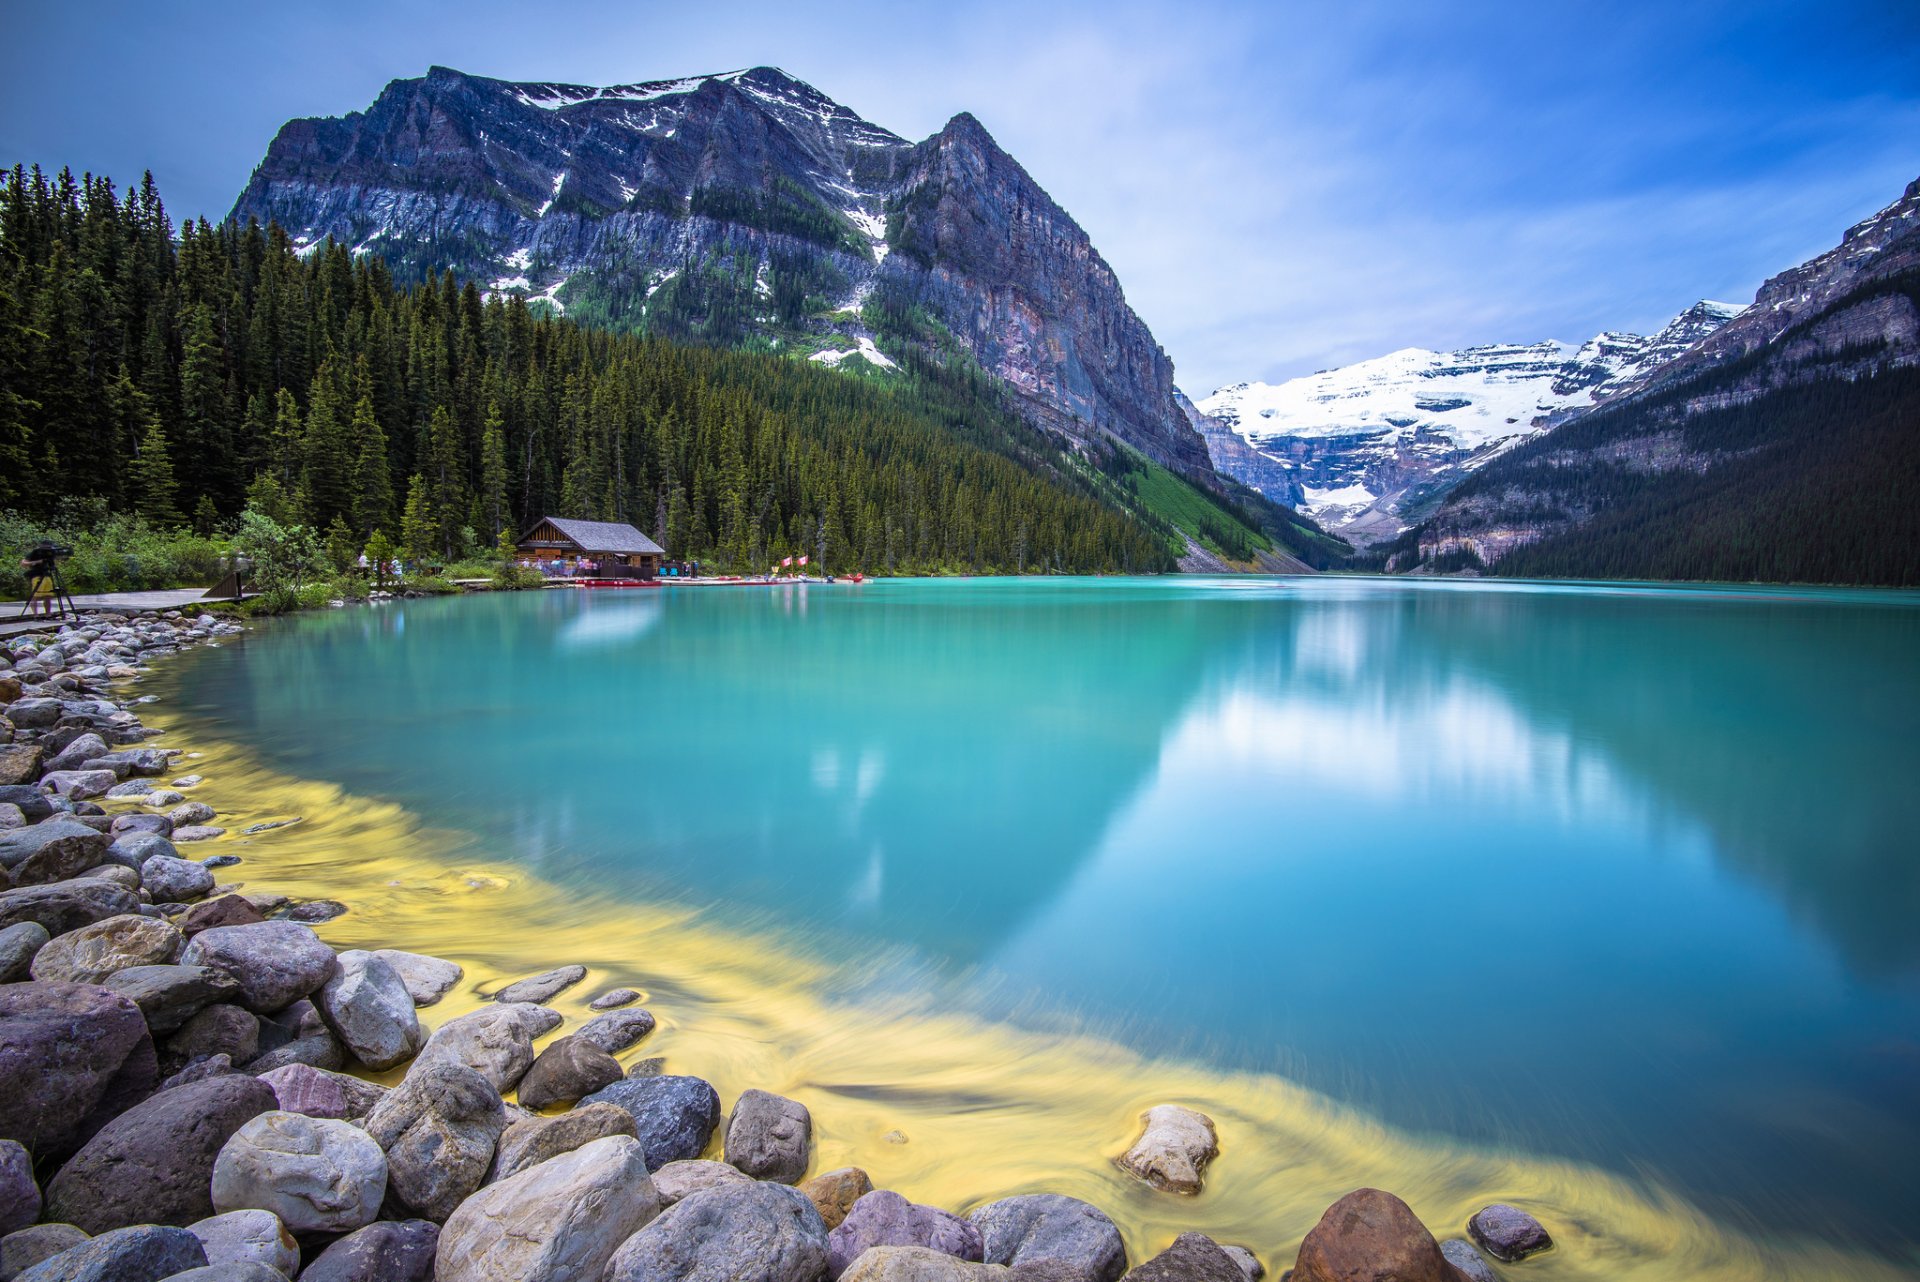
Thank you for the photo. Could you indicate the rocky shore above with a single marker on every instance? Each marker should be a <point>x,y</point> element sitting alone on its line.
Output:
<point>182,1088</point>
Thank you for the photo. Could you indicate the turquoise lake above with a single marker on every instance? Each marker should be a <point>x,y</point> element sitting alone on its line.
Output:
<point>1625,875</point>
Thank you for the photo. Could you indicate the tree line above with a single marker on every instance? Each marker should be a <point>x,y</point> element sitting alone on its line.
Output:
<point>188,375</point>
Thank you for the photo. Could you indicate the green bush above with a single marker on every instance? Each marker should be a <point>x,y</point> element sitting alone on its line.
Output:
<point>517,578</point>
<point>111,553</point>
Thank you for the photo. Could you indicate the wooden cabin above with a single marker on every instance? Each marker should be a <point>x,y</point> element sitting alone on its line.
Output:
<point>614,550</point>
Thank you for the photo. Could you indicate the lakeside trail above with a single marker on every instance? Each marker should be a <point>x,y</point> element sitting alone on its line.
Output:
<point>986,1110</point>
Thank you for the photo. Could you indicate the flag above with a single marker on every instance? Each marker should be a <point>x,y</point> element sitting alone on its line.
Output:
<point>803,560</point>
<point>786,560</point>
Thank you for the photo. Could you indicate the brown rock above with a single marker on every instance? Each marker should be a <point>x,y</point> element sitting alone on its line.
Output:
<point>19,763</point>
<point>833,1193</point>
<point>1371,1236</point>
<point>228,910</point>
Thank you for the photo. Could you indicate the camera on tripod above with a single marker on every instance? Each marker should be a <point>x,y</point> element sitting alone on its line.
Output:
<point>45,554</point>
<point>46,592</point>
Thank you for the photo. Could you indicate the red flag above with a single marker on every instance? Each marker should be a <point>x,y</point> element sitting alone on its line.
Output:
<point>803,560</point>
<point>786,560</point>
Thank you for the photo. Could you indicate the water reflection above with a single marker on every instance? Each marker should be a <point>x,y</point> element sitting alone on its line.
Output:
<point>1627,876</point>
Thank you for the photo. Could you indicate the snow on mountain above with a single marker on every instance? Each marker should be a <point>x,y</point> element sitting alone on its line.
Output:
<point>1360,446</point>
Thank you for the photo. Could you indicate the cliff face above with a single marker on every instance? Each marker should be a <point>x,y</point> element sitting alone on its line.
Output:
<point>743,208</point>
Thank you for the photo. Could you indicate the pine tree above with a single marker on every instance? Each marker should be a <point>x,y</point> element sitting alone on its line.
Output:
<point>372,481</point>
<point>418,528</point>
<point>491,501</point>
<point>150,477</point>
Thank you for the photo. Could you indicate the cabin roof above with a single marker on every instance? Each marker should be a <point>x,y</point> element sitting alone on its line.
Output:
<point>599,536</point>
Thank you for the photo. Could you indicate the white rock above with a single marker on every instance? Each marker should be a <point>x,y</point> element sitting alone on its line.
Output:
<point>241,1237</point>
<point>428,979</point>
<point>1173,1151</point>
<point>495,1041</point>
<point>369,1008</point>
<point>316,1174</point>
<point>556,1222</point>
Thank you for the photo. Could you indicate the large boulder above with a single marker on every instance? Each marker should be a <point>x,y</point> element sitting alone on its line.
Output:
<point>248,1237</point>
<point>302,1088</point>
<point>680,1180</point>
<point>18,944</point>
<point>51,851</point>
<point>673,1116</point>
<point>1173,1149</point>
<point>93,954</point>
<point>19,1193</point>
<point>275,962</point>
<point>567,1070</point>
<point>533,1140</point>
<point>66,905</point>
<point>746,1232</point>
<point>316,1174</point>
<point>495,1041</point>
<point>1368,1235</point>
<point>1508,1233</point>
<point>884,1218</point>
<point>169,996</point>
<point>1193,1257</point>
<point>616,1030</point>
<point>142,1253</point>
<point>542,988</point>
<point>79,785</point>
<point>770,1137</point>
<point>152,1164</point>
<point>920,1264</point>
<point>24,1248</point>
<point>218,1029</point>
<point>833,1193</point>
<point>1037,1228</point>
<point>78,753</point>
<point>71,1057</point>
<point>370,1011</point>
<point>556,1222</point>
<point>387,1251</point>
<point>171,880</point>
<point>428,979</point>
<point>438,1128</point>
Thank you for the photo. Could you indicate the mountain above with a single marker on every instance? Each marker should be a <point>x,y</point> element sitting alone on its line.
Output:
<point>1784,446</point>
<point>1362,448</point>
<point>743,209</point>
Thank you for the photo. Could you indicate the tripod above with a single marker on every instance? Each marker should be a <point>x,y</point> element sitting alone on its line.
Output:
<point>45,587</point>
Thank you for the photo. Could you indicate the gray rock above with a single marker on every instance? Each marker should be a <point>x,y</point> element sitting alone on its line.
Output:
<point>198,832</point>
<point>217,1029</point>
<point>496,1041</point>
<point>19,1193</point>
<point>21,1250</point>
<point>120,875</point>
<point>77,754</point>
<point>370,1011</point>
<point>315,911</point>
<point>555,1222</point>
<point>50,851</point>
<point>66,905</point>
<point>748,1232</point>
<point>143,1253</point>
<point>439,1128</point>
<point>248,1237</point>
<point>884,1218</point>
<point>221,861</point>
<point>171,995</point>
<point>85,1050</point>
<point>34,714</point>
<point>428,979</point>
<point>276,962</point>
<point>1250,1266</point>
<point>567,1070</point>
<point>199,1070</point>
<point>1472,1265</point>
<point>1039,1227</point>
<point>135,761</point>
<point>18,943</point>
<point>533,1140</point>
<point>387,1251</point>
<point>33,803</point>
<point>770,1137</point>
<point>237,1271</point>
<point>1508,1233</point>
<point>678,1180</point>
<point>302,1088</point>
<point>543,987</point>
<point>1173,1149</point>
<point>10,816</point>
<point>173,881</point>
<point>227,910</point>
<point>94,953</point>
<point>673,1116</point>
<point>78,785</point>
<point>1193,1257</point>
<point>132,848</point>
<point>320,1050</point>
<point>316,1174</point>
<point>616,1030</point>
<point>152,1164</point>
<point>193,812</point>
<point>614,997</point>
<point>919,1264</point>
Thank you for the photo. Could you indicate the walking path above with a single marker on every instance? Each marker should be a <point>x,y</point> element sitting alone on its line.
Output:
<point>13,624</point>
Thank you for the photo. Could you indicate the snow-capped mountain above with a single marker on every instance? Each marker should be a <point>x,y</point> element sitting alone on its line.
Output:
<point>744,208</point>
<point>1360,447</point>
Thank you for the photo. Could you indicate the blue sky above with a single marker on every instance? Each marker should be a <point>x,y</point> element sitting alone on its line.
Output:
<point>1280,187</point>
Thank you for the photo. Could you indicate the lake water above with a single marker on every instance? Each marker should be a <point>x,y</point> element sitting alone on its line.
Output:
<point>1627,876</point>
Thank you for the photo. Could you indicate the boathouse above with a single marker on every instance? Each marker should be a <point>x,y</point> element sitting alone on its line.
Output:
<point>615,551</point>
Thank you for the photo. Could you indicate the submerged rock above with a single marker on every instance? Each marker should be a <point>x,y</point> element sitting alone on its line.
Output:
<point>543,987</point>
<point>1173,1150</point>
<point>1508,1233</point>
